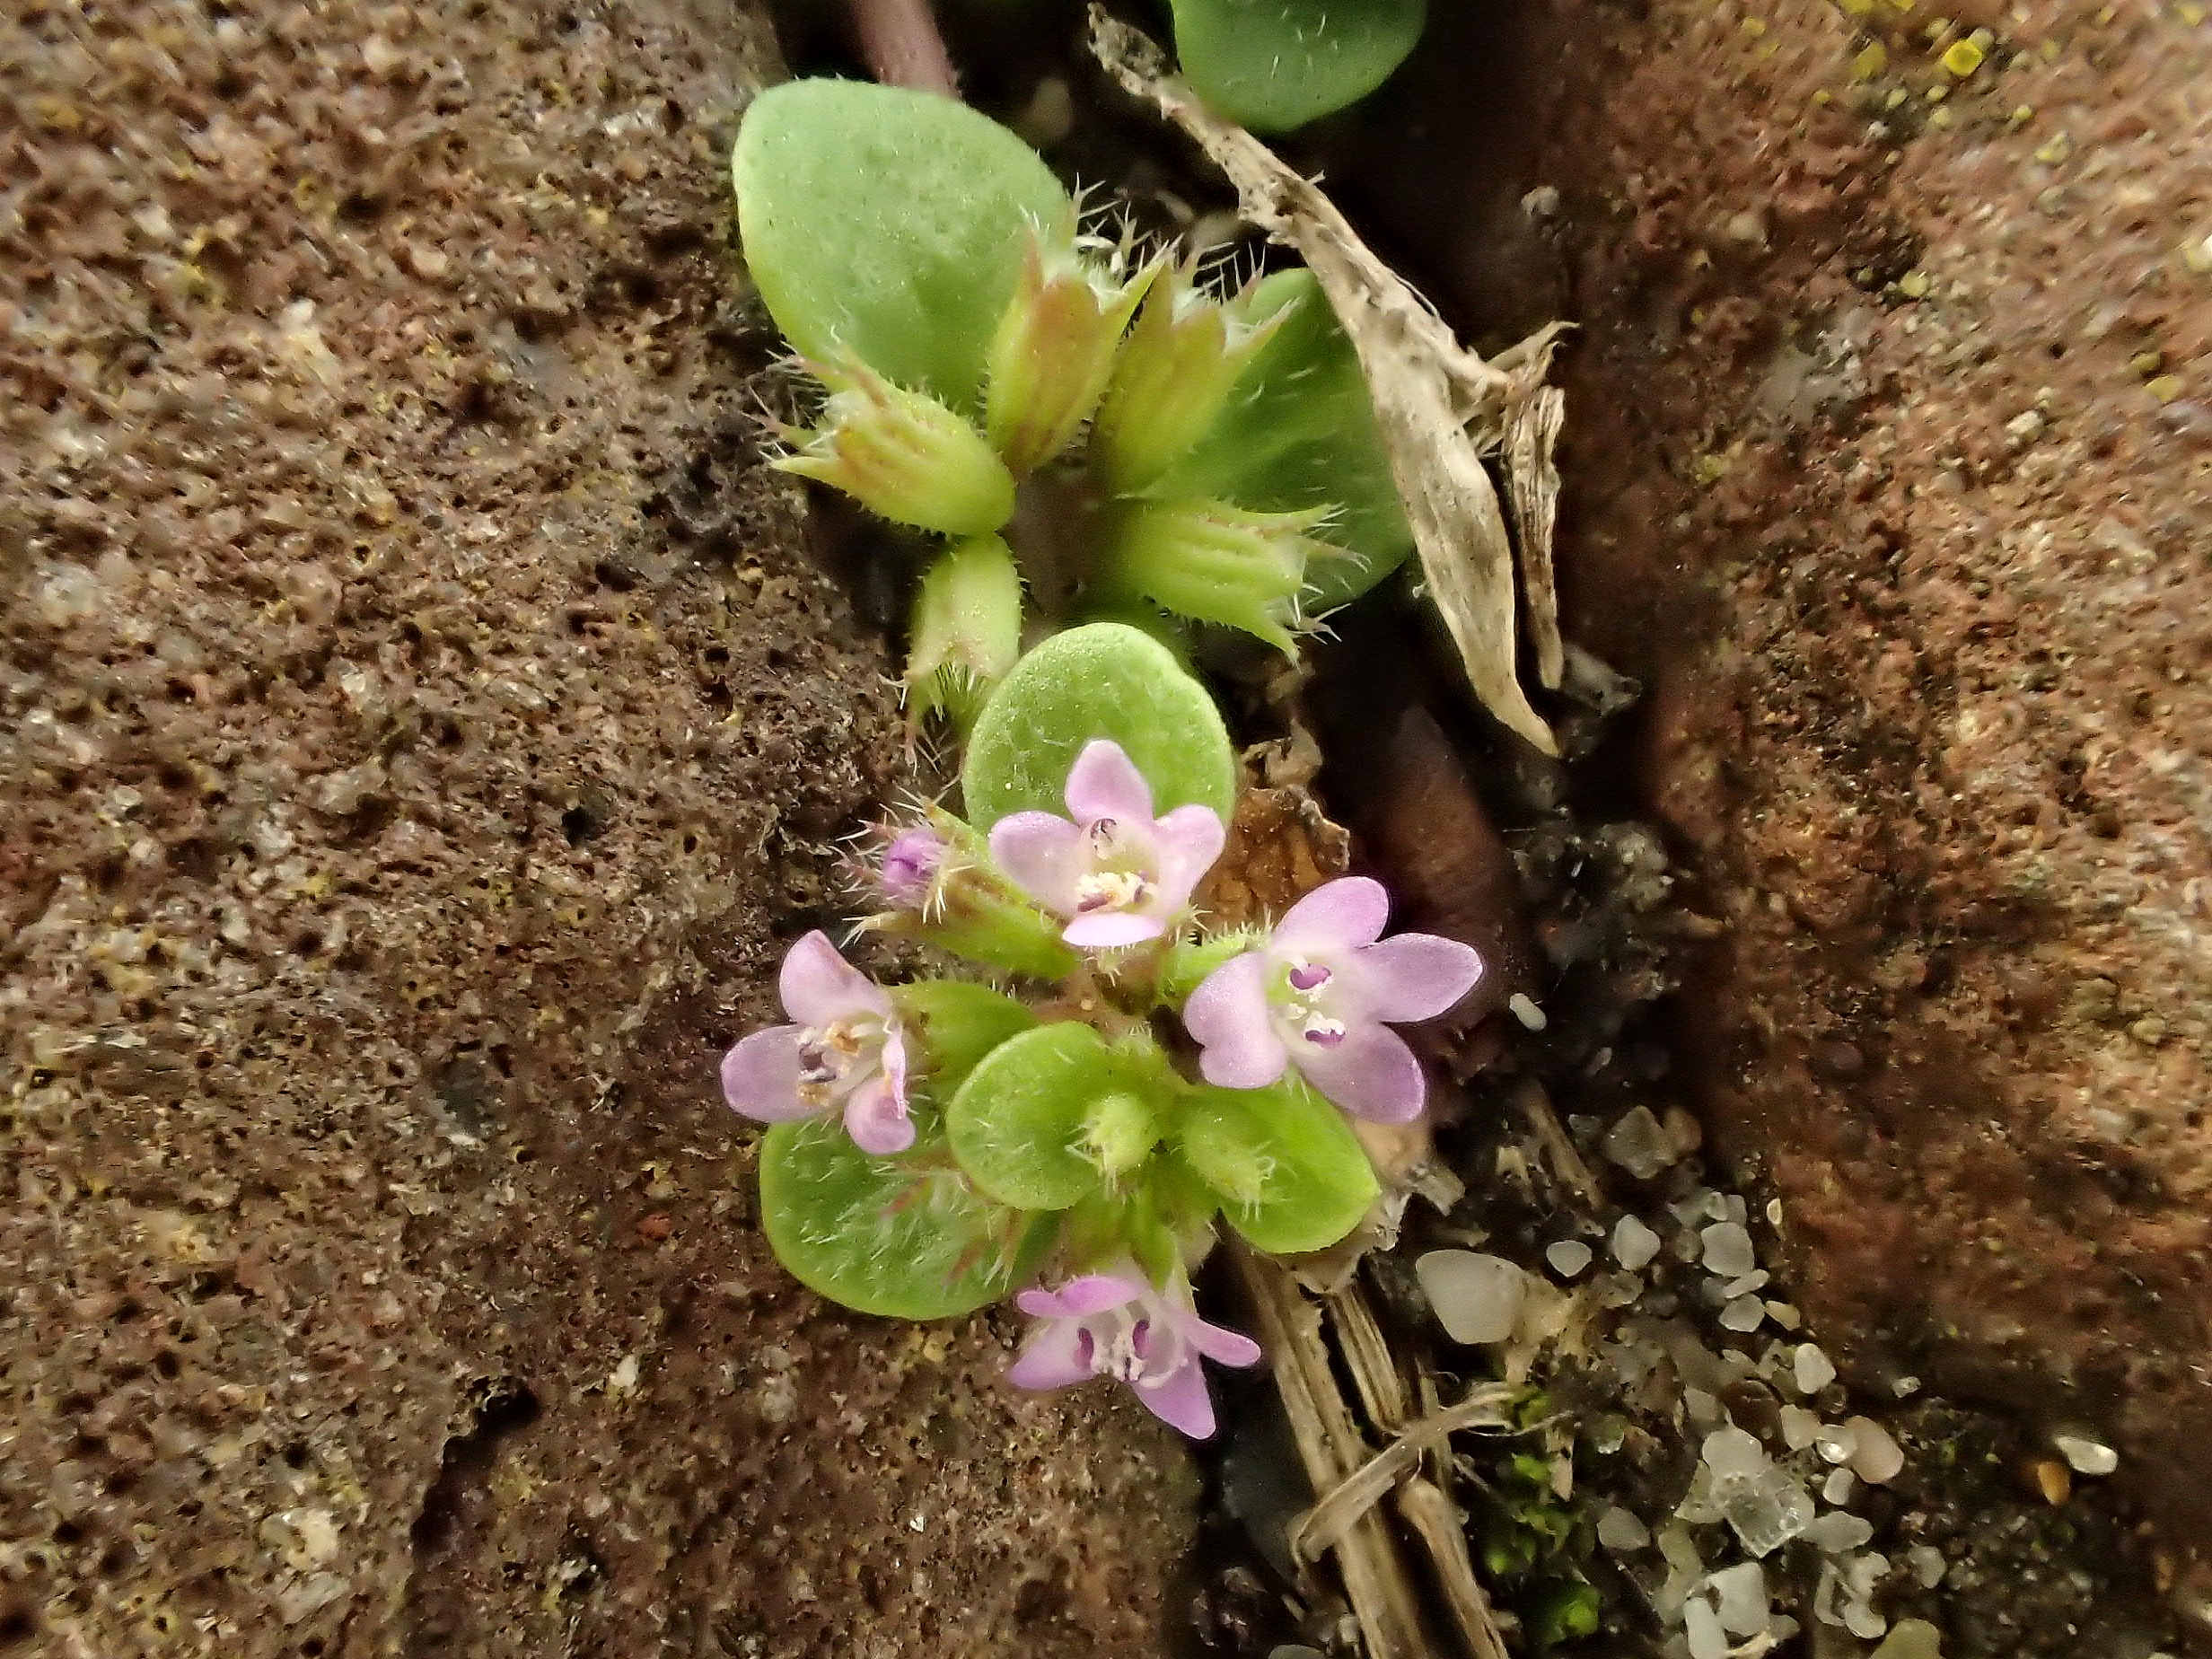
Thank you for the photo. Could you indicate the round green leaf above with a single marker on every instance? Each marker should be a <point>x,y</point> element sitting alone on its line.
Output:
<point>1274,65</point>
<point>960,1023</point>
<point>888,221</point>
<point>1102,680</point>
<point>1022,1124</point>
<point>1291,1174</point>
<point>1299,431</point>
<point>894,1238</point>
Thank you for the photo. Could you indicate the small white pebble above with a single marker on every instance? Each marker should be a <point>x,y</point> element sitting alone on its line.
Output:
<point>1743,1313</point>
<point>1927,1564</point>
<point>1734,1452</point>
<point>1525,1011</point>
<point>1774,1212</point>
<point>1905,1387</point>
<point>1476,1298</point>
<point>1915,1639</point>
<point>1837,1487</point>
<point>1701,1625</point>
<point>1800,1428</point>
<point>1813,1370</point>
<point>1785,1315</point>
<point>1836,1443</point>
<point>1567,1256</point>
<point>1742,1592</point>
<point>1728,1251</point>
<point>1876,1458</point>
<point>1749,1283</point>
<point>1839,1530</point>
<point>1619,1529</point>
<point>1704,1408</point>
<point>1634,1244</point>
<point>2084,1456</point>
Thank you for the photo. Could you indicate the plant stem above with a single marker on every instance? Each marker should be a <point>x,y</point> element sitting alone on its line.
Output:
<point>900,43</point>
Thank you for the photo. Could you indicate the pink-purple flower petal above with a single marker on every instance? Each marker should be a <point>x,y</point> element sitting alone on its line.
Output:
<point>1041,855</point>
<point>1056,1356</point>
<point>1414,976</point>
<point>1335,916</point>
<point>875,1117</point>
<point>818,987</point>
<point>1190,838</point>
<point>1370,1073</point>
<point>1104,783</point>
<point>1181,1399</point>
<point>1219,1342</point>
<point>1082,1297</point>
<point>1229,1017</point>
<point>1107,930</point>
<point>760,1076</point>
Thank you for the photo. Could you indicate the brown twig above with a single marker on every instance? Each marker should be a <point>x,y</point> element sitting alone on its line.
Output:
<point>900,41</point>
<point>1440,407</point>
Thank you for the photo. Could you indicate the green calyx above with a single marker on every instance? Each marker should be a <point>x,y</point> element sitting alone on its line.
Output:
<point>1054,350</point>
<point>900,454</point>
<point>1171,381</point>
<point>1215,562</point>
<point>967,624</point>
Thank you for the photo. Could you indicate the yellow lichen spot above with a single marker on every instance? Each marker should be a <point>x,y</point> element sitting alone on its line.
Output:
<point>2198,256</point>
<point>1897,96</point>
<point>1858,8</point>
<point>2189,12</point>
<point>2020,116</point>
<point>1939,117</point>
<point>1709,469</point>
<point>1871,62</point>
<point>1754,27</point>
<point>1823,97</point>
<point>1914,285</point>
<point>1936,94</point>
<point>2054,150</point>
<point>2050,50</point>
<point>2165,387</point>
<point>2147,363</point>
<point>1963,58</point>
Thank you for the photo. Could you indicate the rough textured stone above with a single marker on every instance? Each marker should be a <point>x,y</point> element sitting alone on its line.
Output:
<point>1887,463</point>
<point>423,729</point>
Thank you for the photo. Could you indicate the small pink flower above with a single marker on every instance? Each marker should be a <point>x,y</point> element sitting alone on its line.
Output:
<point>1118,874</point>
<point>846,1050</point>
<point>1116,1324</point>
<point>1320,996</point>
<point>907,874</point>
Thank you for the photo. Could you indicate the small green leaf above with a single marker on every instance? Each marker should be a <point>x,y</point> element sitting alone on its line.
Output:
<point>1031,1121</point>
<point>891,1237</point>
<point>1273,65</point>
<point>1290,1173</point>
<point>960,1023</point>
<point>889,222</point>
<point>1104,680</point>
<point>1298,433</point>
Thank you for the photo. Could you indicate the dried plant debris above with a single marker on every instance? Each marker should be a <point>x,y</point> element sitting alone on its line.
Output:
<point>1441,408</point>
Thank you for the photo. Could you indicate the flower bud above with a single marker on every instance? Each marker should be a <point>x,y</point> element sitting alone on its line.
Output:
<point>1049,361</point>
<point>906,873</point>
<point>1215,562</point>
<point>967,629</point>
<point>965,906</point>
<point>901,454</point>
<point>1171,381</point>
<point>1120,1132</point>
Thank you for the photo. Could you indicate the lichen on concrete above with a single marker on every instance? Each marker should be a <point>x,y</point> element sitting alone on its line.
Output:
<point>424,728</point>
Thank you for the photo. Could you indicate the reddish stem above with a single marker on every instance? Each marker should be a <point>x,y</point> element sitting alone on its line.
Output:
<point>900,43</point>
